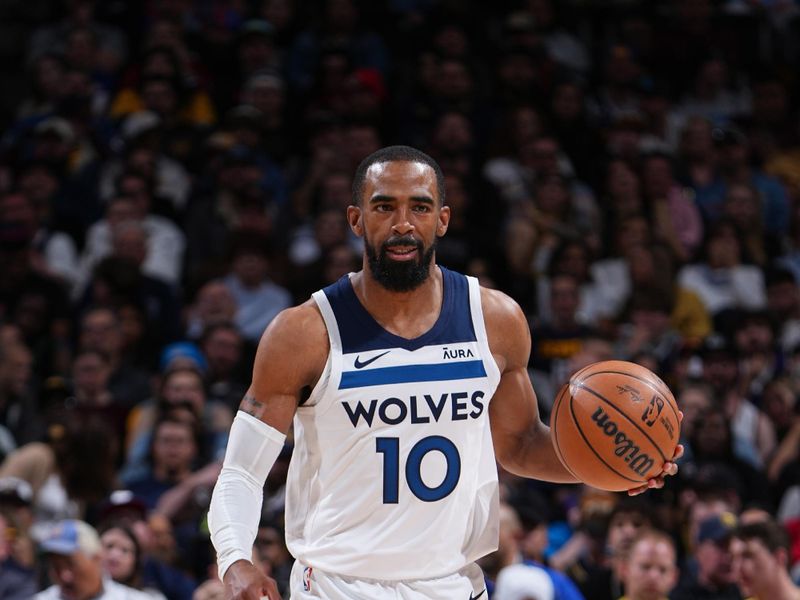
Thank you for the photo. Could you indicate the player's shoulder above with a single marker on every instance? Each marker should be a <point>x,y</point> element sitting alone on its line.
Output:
<point>298,328</point>
<point>500,309</point>
<point>304,318</point>
<point>296,341</point>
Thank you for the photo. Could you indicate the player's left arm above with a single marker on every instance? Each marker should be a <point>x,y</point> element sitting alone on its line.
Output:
<point>522,442</point>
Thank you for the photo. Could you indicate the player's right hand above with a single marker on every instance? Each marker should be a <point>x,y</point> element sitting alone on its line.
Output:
<point>244,581</point>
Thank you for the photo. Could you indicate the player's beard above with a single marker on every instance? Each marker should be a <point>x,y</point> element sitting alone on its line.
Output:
<point>399,276</point>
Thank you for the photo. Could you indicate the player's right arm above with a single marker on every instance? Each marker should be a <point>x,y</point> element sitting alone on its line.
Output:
<point>291,356</point>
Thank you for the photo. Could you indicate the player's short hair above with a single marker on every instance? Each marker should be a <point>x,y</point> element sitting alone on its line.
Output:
<point>395,154</point>
<point>768,532</point>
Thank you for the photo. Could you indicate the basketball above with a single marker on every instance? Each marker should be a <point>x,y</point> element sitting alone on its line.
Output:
<point>614,425</point>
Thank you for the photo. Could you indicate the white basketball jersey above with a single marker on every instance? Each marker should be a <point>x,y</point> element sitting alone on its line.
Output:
<point>393,474</point>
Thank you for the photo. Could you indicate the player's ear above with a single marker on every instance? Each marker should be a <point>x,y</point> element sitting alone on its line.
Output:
<point>354,219</point>
<point>444,221</point>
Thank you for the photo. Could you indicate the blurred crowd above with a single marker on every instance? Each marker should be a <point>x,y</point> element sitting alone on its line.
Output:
<point>174,173</point>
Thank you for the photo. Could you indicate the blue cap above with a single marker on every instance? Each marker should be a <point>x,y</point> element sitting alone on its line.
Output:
<point>717,528</point>
<point>186,350</point>
<point>72,536</point>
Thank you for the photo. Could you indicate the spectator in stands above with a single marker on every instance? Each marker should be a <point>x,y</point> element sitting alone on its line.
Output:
<point>650,571</point>
<point>75,565</point>
<point>713,95</point>
<point>92,396</point>
<point>258,297</point>
<point>694,399</point>
<point>165,61</point>
<point>213,304</point>
<point>677,220</point>
<point>597,574</point>
<point>557,339</point>
<point>742,205</point>
<point>110,43</point>
<point>100,330</point>
<point>142,153</point>
<point>780,405</point>
<point>573,257</point>
<point>16,581</point>
<point>723,278</point>
<point>736,168</point>
<point>160,569</point>
<point>783,303</point>
<point>724,364</point>
<point>165,243</point>
<point>122,559</point>
<point>70,473</point>
<point>761,561</point>
<point>572,127</point>
<point>17,403</point>
<point>55,251</point>
<point>698,166</point>
<point>33,300</point>
<point>179,484</point>
<point>714,445</point>
<point>46,73</point>
<point>174,453</point>
<point>761,356</point>
<point>222,346</point>
<point>714,577</point>
<point>182,392</point>
<point>645,327</point>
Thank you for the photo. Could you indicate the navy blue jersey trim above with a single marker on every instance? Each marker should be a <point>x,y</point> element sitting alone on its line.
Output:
<point>470,369</point>
<point>359,332</point>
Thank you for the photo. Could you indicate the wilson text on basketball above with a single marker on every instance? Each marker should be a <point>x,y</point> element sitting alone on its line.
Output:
<point>639,462</point>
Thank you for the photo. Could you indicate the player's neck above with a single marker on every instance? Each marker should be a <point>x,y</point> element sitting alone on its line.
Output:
<point>407,314</point>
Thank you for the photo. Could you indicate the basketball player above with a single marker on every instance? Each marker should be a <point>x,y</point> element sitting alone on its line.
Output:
<point>418,382</point>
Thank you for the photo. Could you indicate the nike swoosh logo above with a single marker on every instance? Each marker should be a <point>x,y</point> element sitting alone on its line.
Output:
<point>471,597</point>
<point>361,365</point>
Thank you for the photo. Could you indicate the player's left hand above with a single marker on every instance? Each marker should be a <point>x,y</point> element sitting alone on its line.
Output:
<point>654,483</point>
<point>670,468</point>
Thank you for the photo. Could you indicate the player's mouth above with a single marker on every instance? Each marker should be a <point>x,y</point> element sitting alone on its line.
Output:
<point>402,252</point>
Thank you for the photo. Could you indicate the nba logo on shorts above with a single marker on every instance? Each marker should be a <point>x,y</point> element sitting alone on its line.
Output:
<point>307,578</point>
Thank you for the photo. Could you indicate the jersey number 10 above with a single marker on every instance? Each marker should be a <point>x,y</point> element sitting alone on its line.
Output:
<point>390,448</point>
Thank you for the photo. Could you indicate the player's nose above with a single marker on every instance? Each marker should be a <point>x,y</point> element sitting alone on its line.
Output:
<point>402,224</point>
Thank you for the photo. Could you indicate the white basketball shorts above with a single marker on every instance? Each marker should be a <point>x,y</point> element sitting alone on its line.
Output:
<point>308,583</point>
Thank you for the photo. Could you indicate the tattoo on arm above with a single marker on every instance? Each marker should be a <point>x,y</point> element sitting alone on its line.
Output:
<point>252,406</point>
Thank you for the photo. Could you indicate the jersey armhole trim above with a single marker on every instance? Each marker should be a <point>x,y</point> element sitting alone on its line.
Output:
<point>479,324</point>
<point>333,368</point>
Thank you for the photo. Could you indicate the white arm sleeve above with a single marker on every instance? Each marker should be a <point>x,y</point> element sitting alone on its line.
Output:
<point>253,447</point>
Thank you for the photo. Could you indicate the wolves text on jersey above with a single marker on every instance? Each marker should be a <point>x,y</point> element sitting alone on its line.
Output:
<point>459,406</point>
